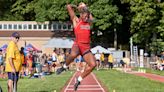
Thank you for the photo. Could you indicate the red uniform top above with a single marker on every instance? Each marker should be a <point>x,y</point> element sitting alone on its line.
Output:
<point>82,32</point>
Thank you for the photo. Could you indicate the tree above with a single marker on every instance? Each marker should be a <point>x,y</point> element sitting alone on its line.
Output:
<point>5,13</point>
<point>145,21</point>
<point>106,19</point>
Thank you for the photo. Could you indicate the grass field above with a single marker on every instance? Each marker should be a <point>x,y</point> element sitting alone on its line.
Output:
<point>112,79</point>
<point>47,84</point>
<point>117,81</point>
<point>148,70</point>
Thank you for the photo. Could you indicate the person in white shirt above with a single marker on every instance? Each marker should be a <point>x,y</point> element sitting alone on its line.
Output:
<point>54,60</point>
<point>98,56</point>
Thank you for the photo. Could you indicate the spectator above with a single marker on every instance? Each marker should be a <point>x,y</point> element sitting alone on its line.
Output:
<point>44,63</point>
<point>125,64</point>
<point>13,62</point>
<point>98,56</point>
<point>162,57</point>
<point>30,62</point>
<point>23,62</point>
<point>110,61</point>
<point>54,60</point>
<point>158,64</point>
<point>1,62</point>
<point>61,58</point>
<point>102,59</point>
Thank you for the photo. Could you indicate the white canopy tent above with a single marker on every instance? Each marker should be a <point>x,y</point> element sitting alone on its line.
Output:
<point>59,43</point>
<point>100,49</point>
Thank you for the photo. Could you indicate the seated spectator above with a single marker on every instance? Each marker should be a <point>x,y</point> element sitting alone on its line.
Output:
<point>158,64</point>
<point>125,64</point>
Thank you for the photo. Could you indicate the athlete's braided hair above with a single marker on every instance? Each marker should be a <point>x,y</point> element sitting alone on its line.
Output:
<point>84,10</point>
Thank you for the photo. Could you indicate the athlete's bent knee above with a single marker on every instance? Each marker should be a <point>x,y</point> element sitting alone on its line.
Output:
<point>93,65</point>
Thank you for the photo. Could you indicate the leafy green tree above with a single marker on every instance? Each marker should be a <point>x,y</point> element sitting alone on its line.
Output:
<point>145,22</point>
<point>5,10</point>
<point>107,19</point>
<point>140,19</point>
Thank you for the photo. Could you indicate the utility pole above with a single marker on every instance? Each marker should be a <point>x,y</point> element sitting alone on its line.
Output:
<point>131,48</point>
<point>115,38</point>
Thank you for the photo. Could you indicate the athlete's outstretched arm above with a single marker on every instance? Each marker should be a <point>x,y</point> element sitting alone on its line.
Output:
<point>71,11</point>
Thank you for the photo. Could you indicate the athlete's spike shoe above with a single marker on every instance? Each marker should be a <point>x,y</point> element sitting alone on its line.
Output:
<point>60,70</point>
<point>76,84</point>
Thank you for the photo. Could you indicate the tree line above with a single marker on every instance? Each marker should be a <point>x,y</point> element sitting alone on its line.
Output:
<point>142,20</point>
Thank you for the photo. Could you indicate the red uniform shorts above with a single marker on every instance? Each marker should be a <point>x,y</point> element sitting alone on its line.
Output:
<point>83,47</point>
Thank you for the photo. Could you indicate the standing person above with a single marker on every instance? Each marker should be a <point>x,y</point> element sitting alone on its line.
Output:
<point>98,56</point>
<point>81,44</point>
<point>30,62</point>
<point>110,61</point>
<point>102,59</point>
<point>23,62</point>
<point>54,60</point>
<point>1,62</point>
<point>13,62</point>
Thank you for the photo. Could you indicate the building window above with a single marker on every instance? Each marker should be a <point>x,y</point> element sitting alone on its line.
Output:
<point>15,26</point>
<point>34,26</point>
<point>0,26</point>
<point>45,26</point>
<point>29,26</point>
<point>24,26</point>
<point>9,26</point>
<point>19,26</point>
<point>59,26</point>
<point>65,27</point>
<point>49,26</point>
<point>69,27</point>
<point>54,26</point>
<point>39,26</point>
<point>5,26</point>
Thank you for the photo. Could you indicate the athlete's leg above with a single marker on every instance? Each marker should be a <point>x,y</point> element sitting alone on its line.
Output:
<point>91,64</point>
<point>74,53</point>
<point>69,59</point>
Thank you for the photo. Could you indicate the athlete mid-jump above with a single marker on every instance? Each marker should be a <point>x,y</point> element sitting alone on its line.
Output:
<point>81,44</point>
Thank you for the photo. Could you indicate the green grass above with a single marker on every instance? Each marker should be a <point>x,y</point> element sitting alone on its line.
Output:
<point>48,84</point>
<point>112,79</point>
<point>123,82</point>
<point>148,70</point>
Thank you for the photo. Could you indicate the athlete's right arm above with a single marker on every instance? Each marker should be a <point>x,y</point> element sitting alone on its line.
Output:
<point>72,13</point>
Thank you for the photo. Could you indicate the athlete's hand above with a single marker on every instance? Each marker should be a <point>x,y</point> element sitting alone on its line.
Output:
<point>81,6</point>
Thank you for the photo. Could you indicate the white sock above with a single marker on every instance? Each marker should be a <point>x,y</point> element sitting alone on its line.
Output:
<point>65,66</point>
<point>80,78</point>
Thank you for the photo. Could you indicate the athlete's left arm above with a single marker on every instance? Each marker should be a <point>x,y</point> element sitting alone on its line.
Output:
<point>90,18</point>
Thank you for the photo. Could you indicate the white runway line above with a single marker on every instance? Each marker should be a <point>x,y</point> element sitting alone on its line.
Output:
<point>100,87</point>
<point>86,89</point>
<point>98,82</point>
<point>70,82</point>
<point>85,86</point>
